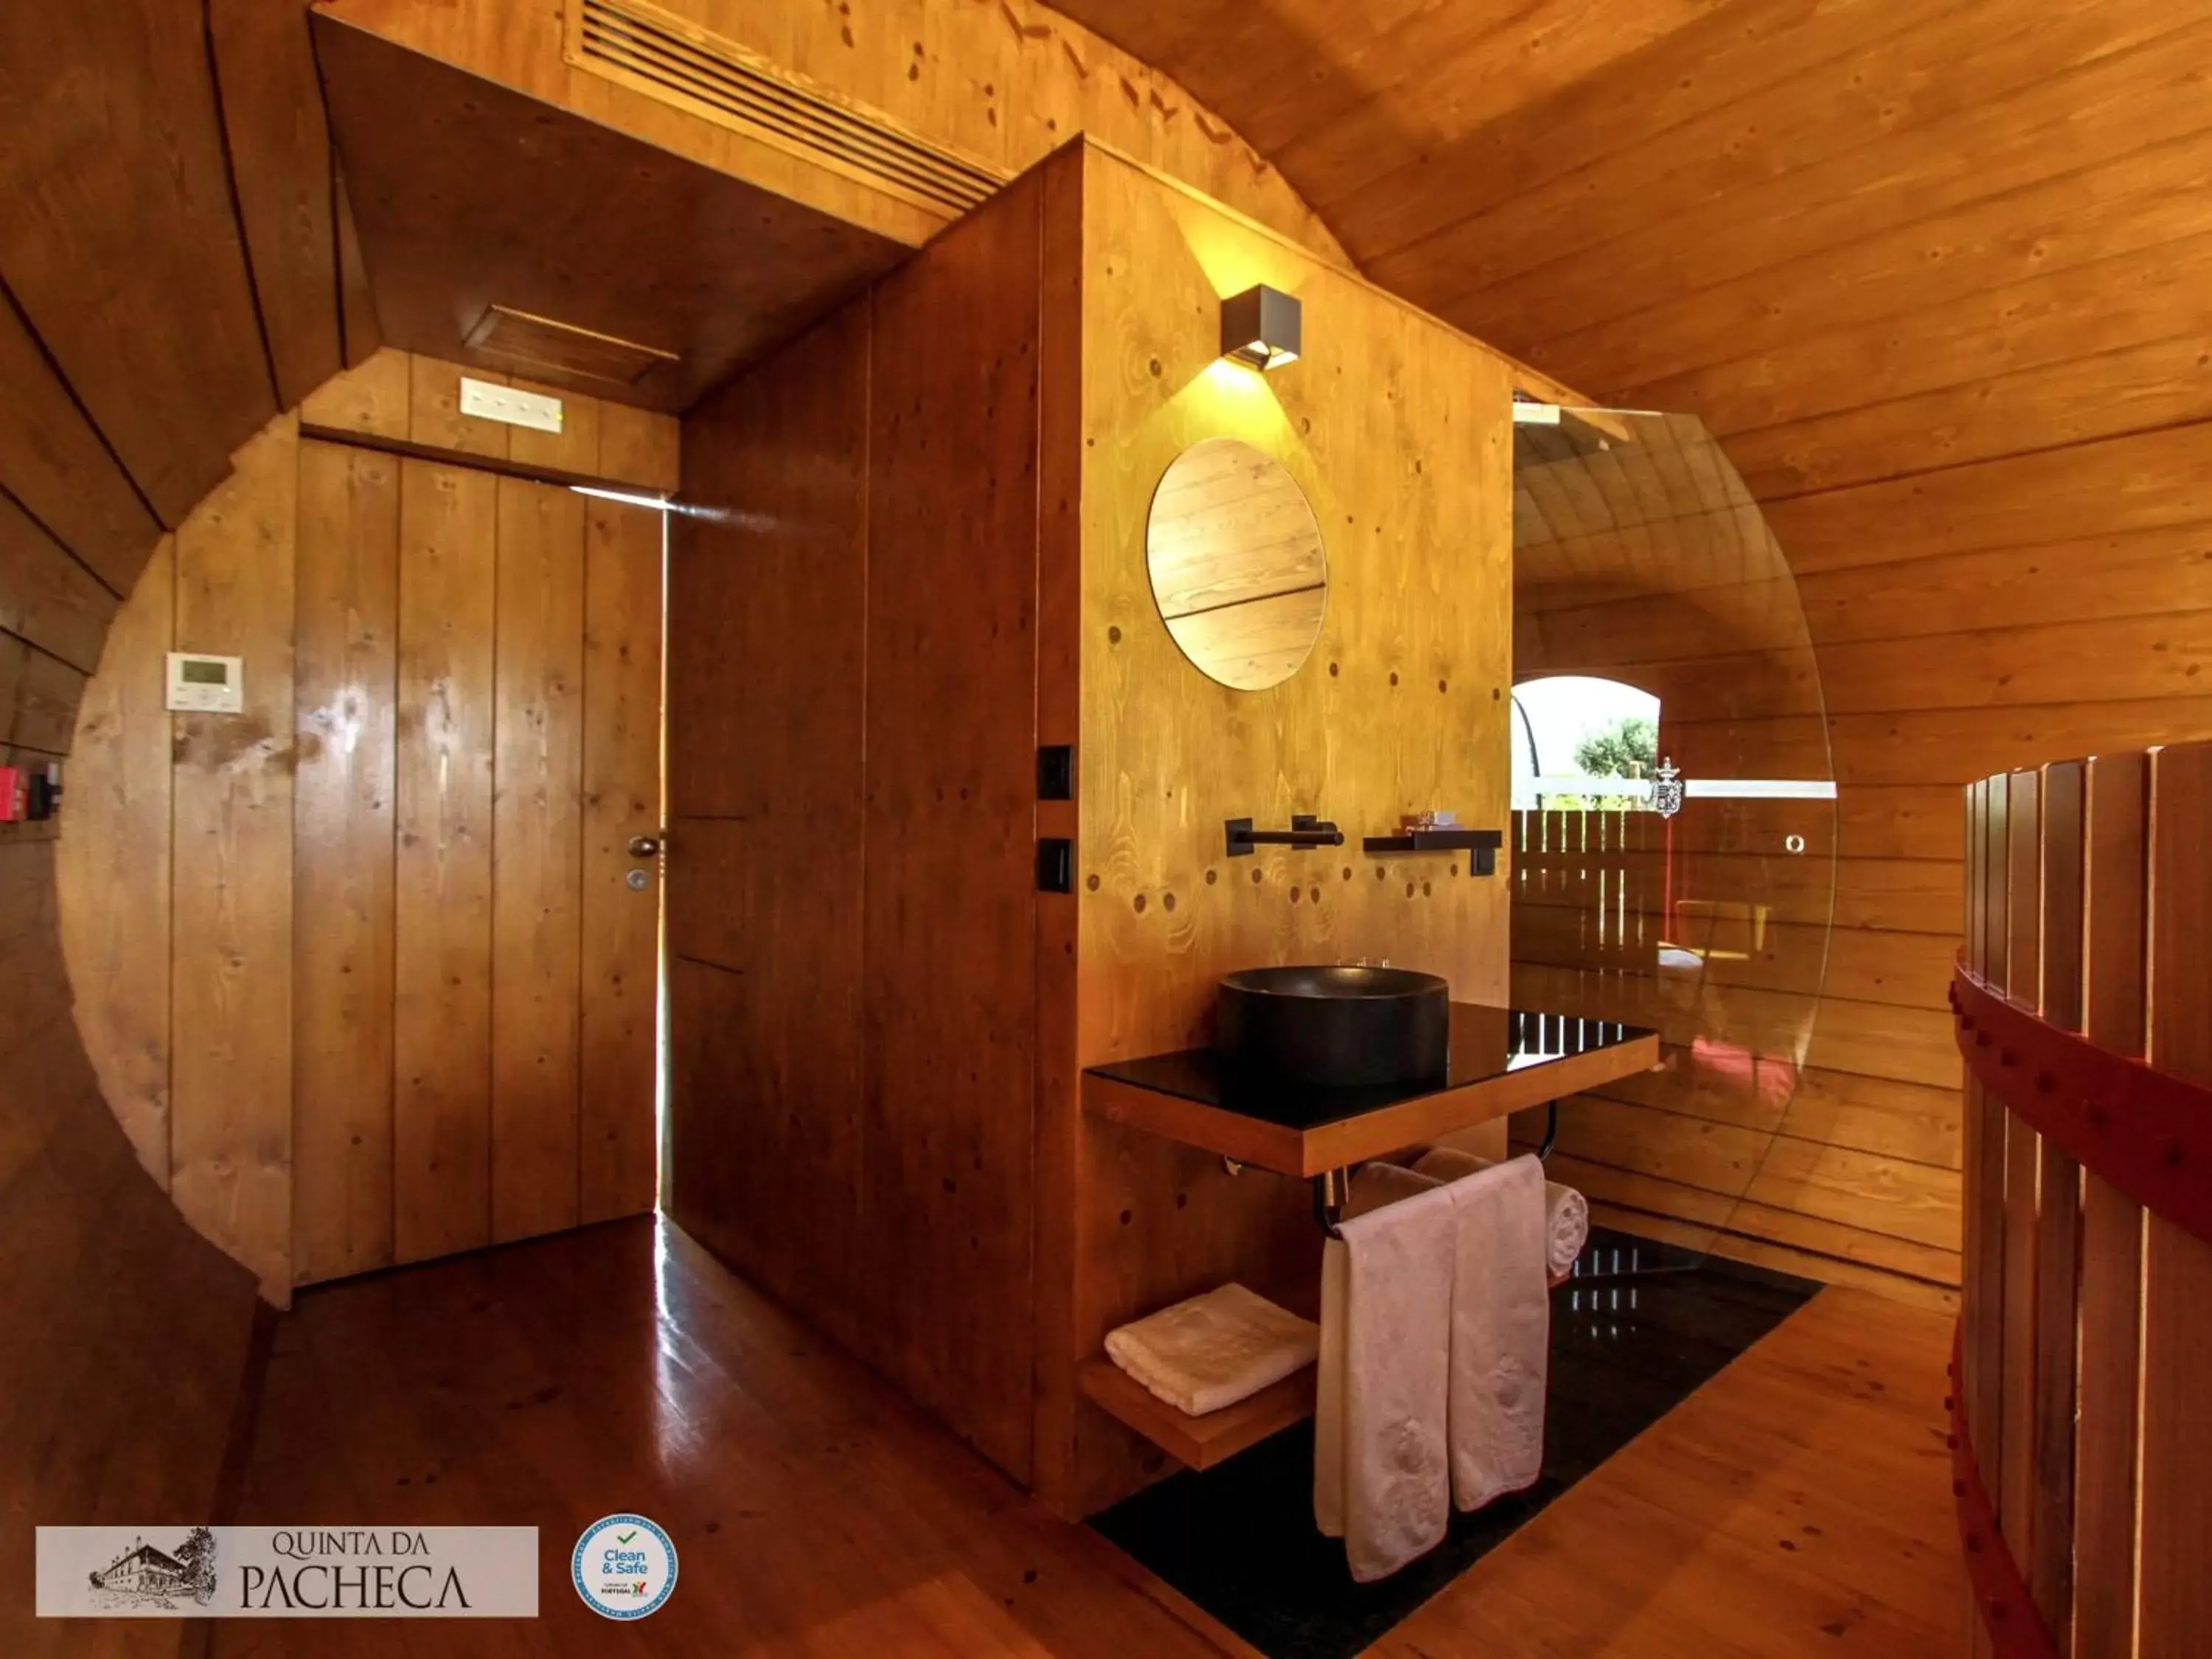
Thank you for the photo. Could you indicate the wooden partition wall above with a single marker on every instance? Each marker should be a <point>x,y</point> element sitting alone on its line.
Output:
<point>2084,1012</point>
<point>852,662</point>
<point>1398,429</point>
<point>921,554</point>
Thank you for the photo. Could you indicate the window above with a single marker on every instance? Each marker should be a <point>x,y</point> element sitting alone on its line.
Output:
<point>1571,733</point>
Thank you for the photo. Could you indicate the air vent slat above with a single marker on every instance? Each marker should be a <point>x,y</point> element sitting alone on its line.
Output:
<point>923,173</point>
<point>767,100</point>
<point>642,47</point>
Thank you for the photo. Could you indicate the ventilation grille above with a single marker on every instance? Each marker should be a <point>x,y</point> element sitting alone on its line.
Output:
<point>518,338</point>
<point>651,51</point>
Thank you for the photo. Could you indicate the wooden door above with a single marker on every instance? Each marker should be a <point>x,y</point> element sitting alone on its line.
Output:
<point>478,976</point>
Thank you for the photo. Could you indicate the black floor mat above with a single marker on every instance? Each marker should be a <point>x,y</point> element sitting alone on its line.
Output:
<point>1239,1540</point>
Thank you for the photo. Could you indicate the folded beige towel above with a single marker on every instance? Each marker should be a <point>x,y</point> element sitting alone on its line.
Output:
<point>1214,1350</point>
<point>1566,1212</point>
<point>1381,1476</point>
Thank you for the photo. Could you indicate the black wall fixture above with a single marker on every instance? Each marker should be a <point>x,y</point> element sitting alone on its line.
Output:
<point>1055,869</point>
<point>1483,844</point>
<point>1305,831</point>
<point>1263,328</point>
<point>1056,771</point>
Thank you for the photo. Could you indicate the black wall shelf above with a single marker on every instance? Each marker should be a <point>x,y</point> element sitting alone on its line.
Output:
<point>1483,844</point>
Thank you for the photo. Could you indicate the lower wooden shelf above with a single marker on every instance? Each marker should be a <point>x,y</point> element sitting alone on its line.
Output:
<point>1198,1442</point>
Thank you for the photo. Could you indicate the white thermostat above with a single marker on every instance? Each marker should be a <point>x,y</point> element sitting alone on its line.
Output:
<point>206,685</point>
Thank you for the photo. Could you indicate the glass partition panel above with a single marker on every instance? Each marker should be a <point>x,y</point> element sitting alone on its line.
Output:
<point>1673,852</point>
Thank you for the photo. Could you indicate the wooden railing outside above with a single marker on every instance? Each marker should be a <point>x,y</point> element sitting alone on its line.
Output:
<point>1597,878</point>
<point>2083,1397</point>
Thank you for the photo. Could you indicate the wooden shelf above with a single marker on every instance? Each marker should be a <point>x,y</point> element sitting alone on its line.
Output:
<point>1198,1442</point>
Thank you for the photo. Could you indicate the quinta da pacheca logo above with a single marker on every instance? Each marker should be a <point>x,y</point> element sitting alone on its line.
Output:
<point>288,1572</point>
<point>144,1576</point>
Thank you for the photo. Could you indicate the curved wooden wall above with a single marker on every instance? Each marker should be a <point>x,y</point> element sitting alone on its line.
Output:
<point>1934,278</point>
<point>168,260</point>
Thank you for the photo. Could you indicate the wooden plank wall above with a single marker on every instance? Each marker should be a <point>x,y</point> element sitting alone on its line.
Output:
<point>1005,84</point>
<point>143,335</point>
<point>766,683</point>
<point>2084,1319</point>
<point>345,654</point>
<point>1981,465</point>
<point>852,742</point>
<point>1398,432</point>
<point>373,1046</point>
<point>1830,1142</point>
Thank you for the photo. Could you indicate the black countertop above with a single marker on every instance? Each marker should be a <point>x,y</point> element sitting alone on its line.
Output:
<point>1486,1042</point>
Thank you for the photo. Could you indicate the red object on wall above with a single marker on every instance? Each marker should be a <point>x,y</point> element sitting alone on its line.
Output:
<point>2016,1630</point>
<point>12,803</point>
<point>2148,1133</point>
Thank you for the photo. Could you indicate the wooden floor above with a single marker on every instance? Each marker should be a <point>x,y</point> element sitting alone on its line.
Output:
<point>1799,1498</point>
<point>1799,1504</point>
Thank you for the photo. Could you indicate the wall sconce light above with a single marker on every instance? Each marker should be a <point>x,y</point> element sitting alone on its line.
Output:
<point>1262,328</point>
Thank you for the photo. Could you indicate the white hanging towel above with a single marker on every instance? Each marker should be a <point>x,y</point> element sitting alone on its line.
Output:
<point>1382,1474</point>
<point>1566,1212</point>
<point>1501,1331</point>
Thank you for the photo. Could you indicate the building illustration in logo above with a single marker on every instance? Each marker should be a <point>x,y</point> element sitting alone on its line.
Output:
<point>144,1575</point>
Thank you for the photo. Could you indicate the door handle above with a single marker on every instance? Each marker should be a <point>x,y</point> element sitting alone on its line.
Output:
<point>648,847</point>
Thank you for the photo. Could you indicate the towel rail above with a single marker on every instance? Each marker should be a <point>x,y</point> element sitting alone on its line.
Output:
<point>1331,1188</point>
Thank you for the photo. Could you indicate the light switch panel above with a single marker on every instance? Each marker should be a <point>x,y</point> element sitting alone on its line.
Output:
<point>508,403</point>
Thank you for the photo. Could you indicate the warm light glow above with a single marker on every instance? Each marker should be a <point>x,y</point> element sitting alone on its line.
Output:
<point>628,497</point>
<point>1231,399</point>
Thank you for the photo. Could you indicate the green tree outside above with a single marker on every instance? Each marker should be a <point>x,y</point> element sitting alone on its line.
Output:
<point>1629,748</point>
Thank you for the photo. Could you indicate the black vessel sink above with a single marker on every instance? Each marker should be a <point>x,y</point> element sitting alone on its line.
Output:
<point>1334,1028</point>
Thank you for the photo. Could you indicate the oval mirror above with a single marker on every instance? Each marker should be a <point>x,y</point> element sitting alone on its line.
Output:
<point>1235,560</point>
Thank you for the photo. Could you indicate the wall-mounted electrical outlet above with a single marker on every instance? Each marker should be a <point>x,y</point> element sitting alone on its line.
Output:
<point>487,402</point>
